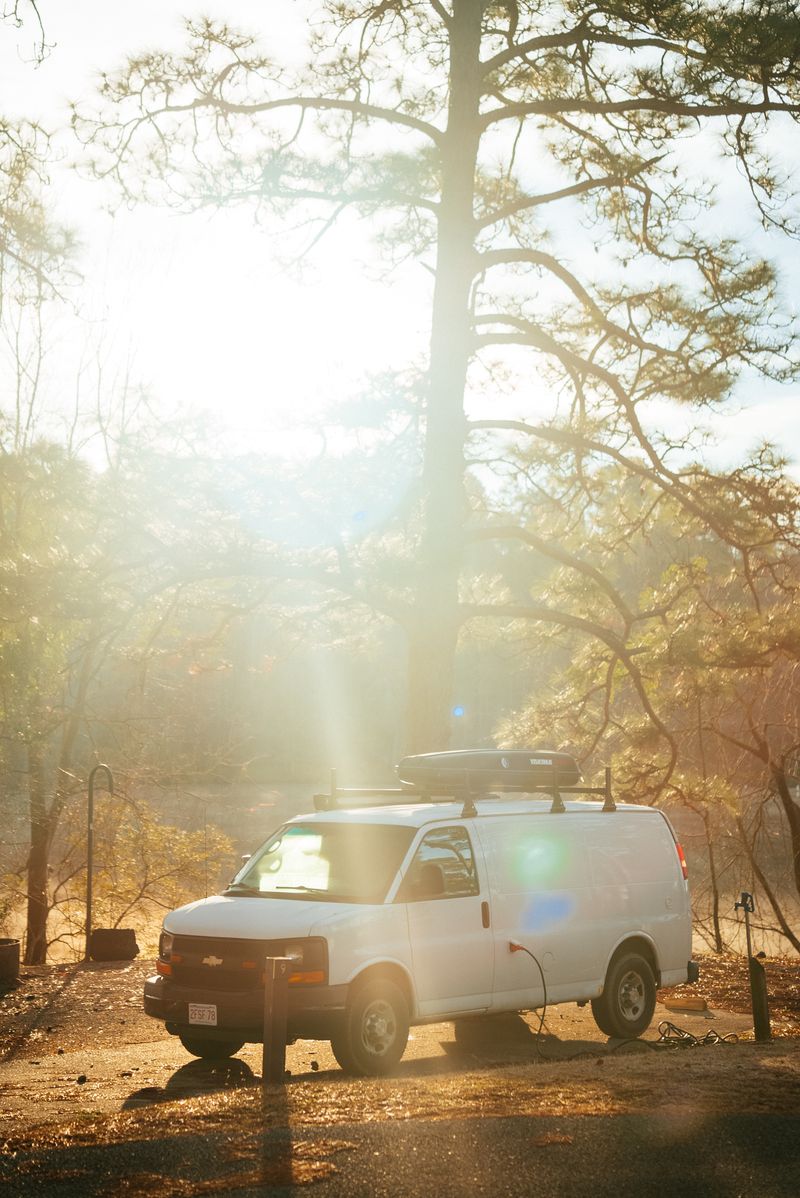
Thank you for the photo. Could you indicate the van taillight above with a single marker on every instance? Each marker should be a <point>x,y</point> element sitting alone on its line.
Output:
<point>682,860</point>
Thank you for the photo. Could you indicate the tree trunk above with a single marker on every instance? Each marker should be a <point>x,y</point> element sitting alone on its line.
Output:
<point>433,632</point>
<point>712,870</point>
<point>792,813</point>
<point>44,821</point>
<point>772,898</point>
<point>36,925</point>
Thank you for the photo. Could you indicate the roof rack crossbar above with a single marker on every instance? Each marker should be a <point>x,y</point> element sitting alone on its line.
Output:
<point>340,795</point>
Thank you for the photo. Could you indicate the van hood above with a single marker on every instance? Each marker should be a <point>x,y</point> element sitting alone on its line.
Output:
<point>249,918</point>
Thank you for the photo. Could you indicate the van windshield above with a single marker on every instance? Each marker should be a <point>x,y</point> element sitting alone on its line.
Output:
<point>334,862</point>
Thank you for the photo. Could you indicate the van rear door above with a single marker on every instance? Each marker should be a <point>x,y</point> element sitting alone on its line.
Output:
<point>639,885</point>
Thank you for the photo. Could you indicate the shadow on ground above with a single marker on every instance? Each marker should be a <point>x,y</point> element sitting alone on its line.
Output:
<point>193,1080</point>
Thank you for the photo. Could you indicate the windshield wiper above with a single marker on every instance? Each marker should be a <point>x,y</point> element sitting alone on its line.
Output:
<point>245,886</point>
<point>309,889</point>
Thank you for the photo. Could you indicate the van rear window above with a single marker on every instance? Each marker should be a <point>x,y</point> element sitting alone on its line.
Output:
<point>334,862</point>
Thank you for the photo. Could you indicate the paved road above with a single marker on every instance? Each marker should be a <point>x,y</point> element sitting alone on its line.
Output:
<point>621,1157</point>
<point>606,1157</point>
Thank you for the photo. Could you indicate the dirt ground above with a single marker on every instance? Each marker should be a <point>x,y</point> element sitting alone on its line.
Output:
<point>725,984</point>
<point>83,1066</point>
<point>67,1006</point>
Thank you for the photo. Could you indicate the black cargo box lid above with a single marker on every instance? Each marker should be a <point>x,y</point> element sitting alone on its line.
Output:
<point>481,770</point>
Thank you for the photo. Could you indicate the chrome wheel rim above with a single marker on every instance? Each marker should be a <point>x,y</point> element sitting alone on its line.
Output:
<point>632,996</point>
<point>378,1027</point>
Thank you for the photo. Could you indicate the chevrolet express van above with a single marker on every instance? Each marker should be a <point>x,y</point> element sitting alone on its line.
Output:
<point>410,906</point>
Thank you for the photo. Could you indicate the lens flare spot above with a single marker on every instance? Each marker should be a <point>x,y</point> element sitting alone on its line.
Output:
<point>539,860</point>
<point>546,911</point>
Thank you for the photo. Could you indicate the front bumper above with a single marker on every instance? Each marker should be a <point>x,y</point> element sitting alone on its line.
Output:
<point>314,1012</point>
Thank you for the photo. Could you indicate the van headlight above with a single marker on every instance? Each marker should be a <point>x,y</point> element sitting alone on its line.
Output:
<point>309,961</point>
<point>165,945</point>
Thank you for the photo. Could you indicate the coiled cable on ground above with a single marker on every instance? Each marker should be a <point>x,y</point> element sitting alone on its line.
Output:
<point>670,1035</point>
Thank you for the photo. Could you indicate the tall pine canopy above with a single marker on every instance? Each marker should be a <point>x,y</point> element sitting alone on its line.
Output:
<point>559,169</point>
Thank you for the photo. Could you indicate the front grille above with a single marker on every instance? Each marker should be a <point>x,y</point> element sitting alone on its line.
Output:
<point>199,955</point>
<point>225,946</point>
<point>215,964</point>
<point>217,979</point>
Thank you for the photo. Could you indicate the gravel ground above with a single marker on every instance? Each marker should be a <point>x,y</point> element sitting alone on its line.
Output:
<point>98,1100</point>
<point>66,1006</point>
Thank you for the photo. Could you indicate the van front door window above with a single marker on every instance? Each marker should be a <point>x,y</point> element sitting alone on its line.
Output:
<point>443,867</point>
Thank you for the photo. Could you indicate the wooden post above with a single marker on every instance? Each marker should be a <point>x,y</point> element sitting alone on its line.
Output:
<point>758,978</point>
<point>276,1002</point>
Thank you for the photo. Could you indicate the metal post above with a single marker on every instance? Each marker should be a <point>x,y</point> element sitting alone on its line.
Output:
<point>608,802</point>
<point>276,1002</point>
<point>90,847</point>
<point>746,904</point>
<point>758,977</point>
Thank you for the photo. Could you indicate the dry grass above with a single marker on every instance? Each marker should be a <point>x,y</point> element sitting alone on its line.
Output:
<point>725,985</point>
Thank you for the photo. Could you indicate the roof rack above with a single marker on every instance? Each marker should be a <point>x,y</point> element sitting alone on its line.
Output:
<point>467,776</point>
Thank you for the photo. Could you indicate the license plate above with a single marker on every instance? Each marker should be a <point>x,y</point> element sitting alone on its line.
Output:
<point>203,1012</point>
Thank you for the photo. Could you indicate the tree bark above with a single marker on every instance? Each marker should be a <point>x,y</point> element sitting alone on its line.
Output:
<point>44,820</point>
<point>36,924</point>
<point>433,632</point>
<point>719,946</point>
<point>772,898</point>
<point>792,813</point>
<point>712,865</point>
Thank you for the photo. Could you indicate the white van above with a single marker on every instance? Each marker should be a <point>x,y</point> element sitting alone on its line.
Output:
<point>413,909</point>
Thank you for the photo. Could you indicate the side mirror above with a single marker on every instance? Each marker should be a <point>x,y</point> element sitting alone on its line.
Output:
<point>246,857</point>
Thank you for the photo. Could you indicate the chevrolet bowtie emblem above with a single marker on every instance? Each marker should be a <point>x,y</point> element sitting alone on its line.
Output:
<point>212,960</point>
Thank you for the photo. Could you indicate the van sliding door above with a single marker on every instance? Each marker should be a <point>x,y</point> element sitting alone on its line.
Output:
<point>542,898</point>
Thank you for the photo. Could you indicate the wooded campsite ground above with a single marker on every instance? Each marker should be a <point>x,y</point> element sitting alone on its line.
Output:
<point>99,1100</point>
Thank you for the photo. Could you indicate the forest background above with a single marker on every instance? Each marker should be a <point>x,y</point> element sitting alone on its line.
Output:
<point>385,378</point>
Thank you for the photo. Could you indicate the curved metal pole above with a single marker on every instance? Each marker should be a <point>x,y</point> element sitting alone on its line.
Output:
<point>90,846</point>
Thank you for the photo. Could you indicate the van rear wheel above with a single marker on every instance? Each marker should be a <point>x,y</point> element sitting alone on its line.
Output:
<point>210,1050</point>
<point>374,1033</point>
<point>626,1006</point>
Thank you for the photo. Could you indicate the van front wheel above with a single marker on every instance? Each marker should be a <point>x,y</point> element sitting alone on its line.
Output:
<point>374,1034</point>
<point>626,1006</point>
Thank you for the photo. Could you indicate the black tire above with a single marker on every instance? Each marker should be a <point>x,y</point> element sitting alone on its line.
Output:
<point>210,1050</point>
<point>374,1032</point>
<point>626,1006</point>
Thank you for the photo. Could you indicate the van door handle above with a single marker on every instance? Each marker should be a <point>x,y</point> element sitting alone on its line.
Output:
<point>485,914</point>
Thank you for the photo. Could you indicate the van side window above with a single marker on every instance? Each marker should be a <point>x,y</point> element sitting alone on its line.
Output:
<point>443,867</point>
